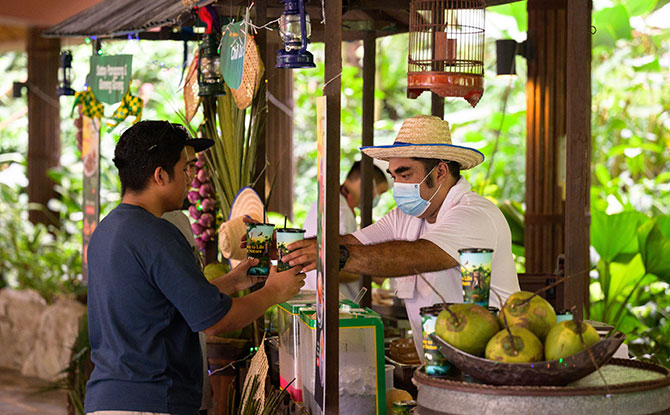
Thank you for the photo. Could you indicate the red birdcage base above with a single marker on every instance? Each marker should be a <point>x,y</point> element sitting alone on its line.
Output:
<point>446,84</point>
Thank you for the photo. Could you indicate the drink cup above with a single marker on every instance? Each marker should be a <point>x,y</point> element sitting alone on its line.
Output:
<point>285,237</point>
<point>476,274</point>
<point>259,242</point>
<point>435,362</point>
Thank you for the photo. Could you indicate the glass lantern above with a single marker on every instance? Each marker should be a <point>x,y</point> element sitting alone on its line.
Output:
<point>65,87</point>
<point>295,30</point>
<point>210,81</point>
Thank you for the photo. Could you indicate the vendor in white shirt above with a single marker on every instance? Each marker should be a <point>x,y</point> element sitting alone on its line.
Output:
<point>350,197</point>
<point>437,214</point>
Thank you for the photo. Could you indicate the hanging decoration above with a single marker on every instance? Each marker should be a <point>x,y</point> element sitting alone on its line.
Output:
<point>252,76</point>
<point>65,87</point>
<point>90,106</point>
<point>130,105</point>
<point>109,76</point>
<point>233,47</point>
<point>295,29</point>
<point>192,98</point>
<point>202,204</point>
<point>446,48</point>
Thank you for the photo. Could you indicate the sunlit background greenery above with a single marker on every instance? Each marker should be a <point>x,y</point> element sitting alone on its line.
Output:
<point>630,193</point>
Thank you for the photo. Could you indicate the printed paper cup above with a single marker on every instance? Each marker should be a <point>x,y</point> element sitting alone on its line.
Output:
<point>259,242</point>
<point>285,237</point>
<point>476,274</point>
<point>435,362</point>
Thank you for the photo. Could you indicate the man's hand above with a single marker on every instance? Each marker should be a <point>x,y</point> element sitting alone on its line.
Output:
<point>237,279</point>
<point>238,275</point>
<point>284,285</point>
<point>279,287</point>
<point>273,246</point>
<point>304,254</point>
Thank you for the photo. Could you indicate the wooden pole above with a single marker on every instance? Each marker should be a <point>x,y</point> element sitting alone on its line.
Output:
<point>260,175</point>
<point>44,148</point>
<point>280,131</point>
<point>545,118</point>
<point>578,154</point>
<point>367,178</point>
<point>332,91</point>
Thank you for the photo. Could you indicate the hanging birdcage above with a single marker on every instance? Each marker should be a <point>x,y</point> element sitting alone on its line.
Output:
<point>446,48</point>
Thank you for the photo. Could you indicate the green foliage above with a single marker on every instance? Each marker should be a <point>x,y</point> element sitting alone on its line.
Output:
<point>235,132</point>
<point>632,262</point>
<point>34,256</point>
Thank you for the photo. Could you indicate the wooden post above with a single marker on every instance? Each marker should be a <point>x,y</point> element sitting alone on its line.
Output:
<point>367,178</point>
<point>332,91</point>
<point>578,154</point>
<point>279,132</point>
<point>44,147</point>
<point>545,142</point>
<point>260,175</point>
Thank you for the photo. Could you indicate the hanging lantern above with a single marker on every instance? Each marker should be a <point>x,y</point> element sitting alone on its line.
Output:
<point>295,29</point>
<point>446,48</point>
<point>65,87</point>
<point>210,81</point>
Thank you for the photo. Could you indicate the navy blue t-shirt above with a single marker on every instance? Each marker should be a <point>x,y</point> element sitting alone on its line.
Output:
<point>147,300</point>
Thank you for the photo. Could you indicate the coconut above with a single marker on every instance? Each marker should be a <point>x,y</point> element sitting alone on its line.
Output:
<point>537,315</point>
<point>467,327</point>
<point>522,346</point>
<point>563,340</point>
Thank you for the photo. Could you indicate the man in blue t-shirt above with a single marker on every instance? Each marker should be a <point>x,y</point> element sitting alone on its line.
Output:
<point>147,296</point>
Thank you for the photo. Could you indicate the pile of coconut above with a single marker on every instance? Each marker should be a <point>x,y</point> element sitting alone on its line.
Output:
<point>524,331</point>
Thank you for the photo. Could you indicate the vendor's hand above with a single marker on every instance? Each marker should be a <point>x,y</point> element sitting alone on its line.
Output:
<point>273,246</point>
<point>284,285</point>
<point>304,254</point>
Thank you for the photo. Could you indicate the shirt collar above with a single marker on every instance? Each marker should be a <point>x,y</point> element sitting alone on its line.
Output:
<point>454,195</point>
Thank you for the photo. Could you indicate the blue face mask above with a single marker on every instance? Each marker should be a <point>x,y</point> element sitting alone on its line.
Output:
<point>408,197</point>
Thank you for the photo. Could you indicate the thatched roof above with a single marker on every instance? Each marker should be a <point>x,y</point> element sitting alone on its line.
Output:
<point>121,17</point>
<point>113,18</point>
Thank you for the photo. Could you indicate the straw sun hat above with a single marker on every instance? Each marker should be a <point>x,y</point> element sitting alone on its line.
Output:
<point>247,202</point>
<point>426,136</point>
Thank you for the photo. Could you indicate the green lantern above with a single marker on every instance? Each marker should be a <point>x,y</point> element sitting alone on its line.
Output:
<point>210,81</point>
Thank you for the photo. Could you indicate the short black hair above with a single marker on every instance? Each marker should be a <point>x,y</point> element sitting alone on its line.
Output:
<point>144,147</point>
<point>429,164</point>
<point>377,174</point>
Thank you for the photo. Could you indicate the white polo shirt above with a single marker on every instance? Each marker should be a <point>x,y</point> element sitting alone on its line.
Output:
<point>465,220</point>
<point>347,225</point>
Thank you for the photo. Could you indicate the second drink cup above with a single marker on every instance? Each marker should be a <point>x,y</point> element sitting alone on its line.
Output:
<point>285,237</point>
<point>476,274</point>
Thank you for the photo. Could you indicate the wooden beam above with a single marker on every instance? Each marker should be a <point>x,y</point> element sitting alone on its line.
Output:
<point>44,148</point>
<point>332,90</point>
<point>367,178</point>
<point>578,154</point>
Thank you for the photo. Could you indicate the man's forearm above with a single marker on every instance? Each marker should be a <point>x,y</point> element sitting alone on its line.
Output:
<point>243,312</point>
<point>397,258</point>
<point>225,284</point>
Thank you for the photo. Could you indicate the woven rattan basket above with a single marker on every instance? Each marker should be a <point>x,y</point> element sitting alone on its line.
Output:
<point>251,75</point>
<point>555,372</point>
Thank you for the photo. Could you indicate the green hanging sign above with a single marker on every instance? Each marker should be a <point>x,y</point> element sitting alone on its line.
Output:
<point>109,77</point>
<point>233,44</point>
